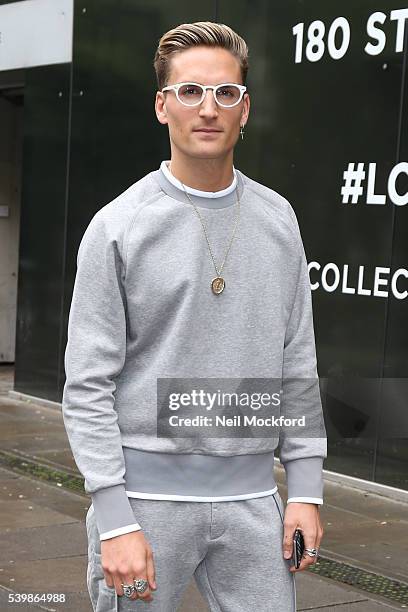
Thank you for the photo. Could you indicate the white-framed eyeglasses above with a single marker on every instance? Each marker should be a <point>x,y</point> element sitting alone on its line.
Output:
<point>192,94</point>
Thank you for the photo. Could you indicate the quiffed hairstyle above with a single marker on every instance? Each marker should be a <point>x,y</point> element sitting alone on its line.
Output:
<point>188,35</point>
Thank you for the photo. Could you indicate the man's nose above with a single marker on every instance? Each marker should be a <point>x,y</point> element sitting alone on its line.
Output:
<point>209,104</point>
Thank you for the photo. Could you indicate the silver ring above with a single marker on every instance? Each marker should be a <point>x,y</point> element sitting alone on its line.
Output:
<point>140,585</point>
<point>128,589</point>
<point>312,552</point>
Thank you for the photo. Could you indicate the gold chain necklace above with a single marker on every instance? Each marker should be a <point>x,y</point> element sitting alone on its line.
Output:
<point>217,283</point>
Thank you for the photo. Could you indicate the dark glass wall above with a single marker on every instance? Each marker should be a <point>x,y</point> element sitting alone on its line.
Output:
<point>307,121</point>
<point>42,230</point>
<point>115,136</point>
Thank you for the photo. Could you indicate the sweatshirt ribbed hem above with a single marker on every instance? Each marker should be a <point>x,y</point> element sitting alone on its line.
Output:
<point>181,477</point>
<point>191,474</point>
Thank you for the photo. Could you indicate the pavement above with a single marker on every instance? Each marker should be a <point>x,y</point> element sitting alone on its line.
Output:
<point>43,545</point>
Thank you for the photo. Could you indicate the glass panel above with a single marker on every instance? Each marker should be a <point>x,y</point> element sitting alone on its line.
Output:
<point>42,230</point>
<point>116,138</point>
<point>303,130</point>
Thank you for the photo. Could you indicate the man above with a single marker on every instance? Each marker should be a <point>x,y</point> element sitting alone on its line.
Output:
<point>151,301</point>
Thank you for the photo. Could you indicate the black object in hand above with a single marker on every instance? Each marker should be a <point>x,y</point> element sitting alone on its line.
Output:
<point>298,547</point>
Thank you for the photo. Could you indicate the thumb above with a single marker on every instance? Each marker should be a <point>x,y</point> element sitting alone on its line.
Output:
<point>288,541</point>
<point>150,572</point>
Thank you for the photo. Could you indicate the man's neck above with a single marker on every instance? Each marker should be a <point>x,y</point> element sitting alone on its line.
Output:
<point>206,175</point>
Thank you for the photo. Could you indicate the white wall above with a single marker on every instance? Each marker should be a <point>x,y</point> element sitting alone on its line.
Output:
<point>35,33</point>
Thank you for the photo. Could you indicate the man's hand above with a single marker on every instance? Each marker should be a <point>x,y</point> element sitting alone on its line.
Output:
<point>126,557</point>
<point>306,517</point>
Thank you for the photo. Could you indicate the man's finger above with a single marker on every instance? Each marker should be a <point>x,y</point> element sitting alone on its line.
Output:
<point>147,594</point>
<point>150,571</point>
<point>118,580</point>
<point>109,580</point>
<point>318,541</point>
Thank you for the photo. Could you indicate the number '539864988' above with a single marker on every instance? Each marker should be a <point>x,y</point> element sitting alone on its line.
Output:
<point>36,597</point>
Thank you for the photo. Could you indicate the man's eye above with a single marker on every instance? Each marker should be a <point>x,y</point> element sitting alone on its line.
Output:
<point>225,92</point>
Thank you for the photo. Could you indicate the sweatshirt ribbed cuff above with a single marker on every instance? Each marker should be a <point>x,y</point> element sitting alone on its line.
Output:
<point>304,478</point>
<point>113,512</point>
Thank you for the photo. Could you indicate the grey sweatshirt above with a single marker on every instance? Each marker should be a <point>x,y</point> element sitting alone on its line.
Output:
<point>142,309</point>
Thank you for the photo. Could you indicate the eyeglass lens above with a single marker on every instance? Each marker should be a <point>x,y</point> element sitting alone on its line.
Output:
<point>191,94</point>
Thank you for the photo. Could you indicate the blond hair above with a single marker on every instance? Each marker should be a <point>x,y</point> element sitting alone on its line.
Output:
<point>188,35</point>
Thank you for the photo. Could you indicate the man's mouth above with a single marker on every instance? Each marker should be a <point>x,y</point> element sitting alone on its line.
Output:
<point>209,130</point>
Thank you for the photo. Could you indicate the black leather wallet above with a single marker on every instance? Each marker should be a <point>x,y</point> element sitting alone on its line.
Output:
<point>298,547</point>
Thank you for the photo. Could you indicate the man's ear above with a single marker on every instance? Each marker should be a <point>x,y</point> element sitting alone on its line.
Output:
<point>163,112</point>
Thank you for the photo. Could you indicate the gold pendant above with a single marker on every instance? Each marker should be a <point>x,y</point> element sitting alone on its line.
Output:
<point>217,284</point>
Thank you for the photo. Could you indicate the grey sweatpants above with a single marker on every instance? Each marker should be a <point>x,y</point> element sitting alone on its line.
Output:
<point>232,548</point>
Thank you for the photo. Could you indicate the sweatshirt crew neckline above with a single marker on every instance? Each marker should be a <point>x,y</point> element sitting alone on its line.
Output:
<point>165,166</point>
<point>211,199</point>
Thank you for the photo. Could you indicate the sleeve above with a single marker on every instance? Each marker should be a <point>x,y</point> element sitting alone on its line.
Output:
<point>303,456</point>
<point>94,356</point>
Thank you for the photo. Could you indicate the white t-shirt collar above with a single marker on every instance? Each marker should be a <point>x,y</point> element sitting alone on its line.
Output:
<point>198,192</point>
